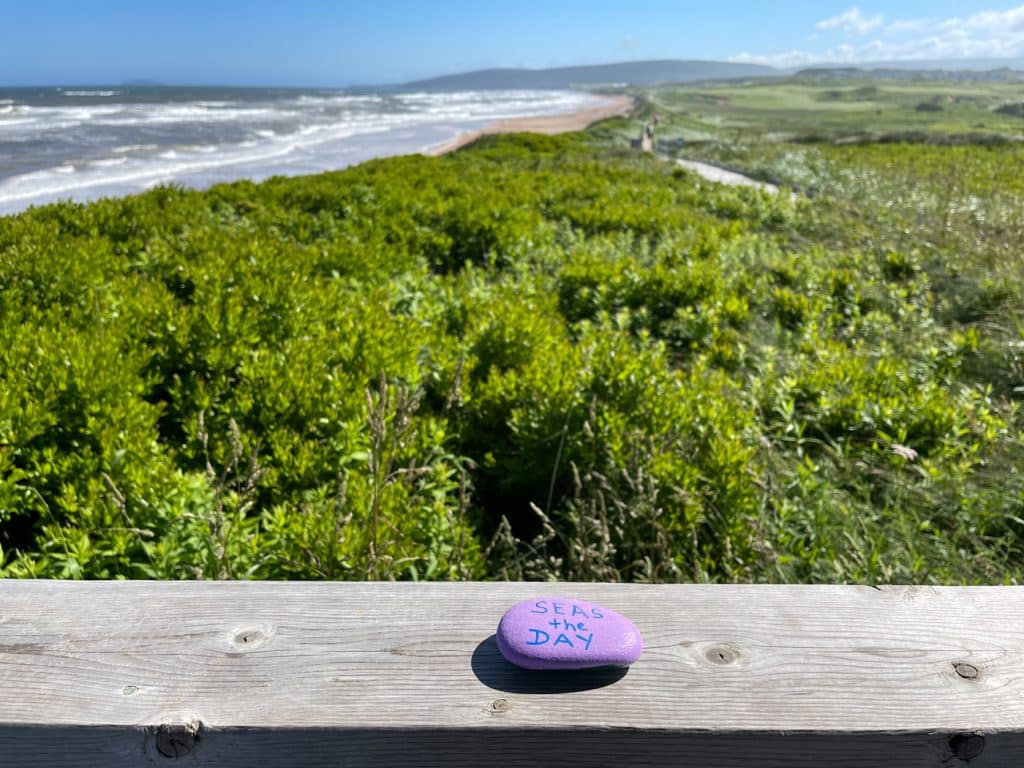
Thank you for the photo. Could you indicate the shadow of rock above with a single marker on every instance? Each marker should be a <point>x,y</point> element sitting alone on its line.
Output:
<point>491,669</point>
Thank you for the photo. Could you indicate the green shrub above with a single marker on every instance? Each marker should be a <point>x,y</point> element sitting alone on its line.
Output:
<point>537,358</point>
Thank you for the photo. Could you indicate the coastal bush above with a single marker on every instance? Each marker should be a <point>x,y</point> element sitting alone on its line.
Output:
<point>537,358</point>
<point>1013,110</point>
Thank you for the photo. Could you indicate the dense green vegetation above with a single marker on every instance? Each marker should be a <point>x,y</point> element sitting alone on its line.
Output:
<point>541,357</point>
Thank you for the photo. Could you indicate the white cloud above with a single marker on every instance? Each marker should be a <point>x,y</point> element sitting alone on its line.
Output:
<point>901,26</point>
<point>985,34</point>
<point>783,60</point>
<point>852,23</point>
<point>991,21</point>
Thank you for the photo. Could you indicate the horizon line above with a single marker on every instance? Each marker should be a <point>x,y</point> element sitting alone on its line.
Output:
<point>938,64</point>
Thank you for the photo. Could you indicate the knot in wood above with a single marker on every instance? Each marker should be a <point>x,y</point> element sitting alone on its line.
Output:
<point>722,655</point>
<point>499,707</point>
<point>250,636</point>
<point>967,746</point>
<point>178,740</point>
<point>242,640</point>
<point>966,671</point>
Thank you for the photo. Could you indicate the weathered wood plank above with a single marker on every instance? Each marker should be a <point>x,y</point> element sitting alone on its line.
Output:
<point>362,674</point>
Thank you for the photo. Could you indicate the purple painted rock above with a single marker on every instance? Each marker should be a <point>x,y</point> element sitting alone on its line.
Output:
<point>563,633</point>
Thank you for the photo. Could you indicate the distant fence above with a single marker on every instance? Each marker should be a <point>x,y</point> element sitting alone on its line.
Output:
<point>328,674</point>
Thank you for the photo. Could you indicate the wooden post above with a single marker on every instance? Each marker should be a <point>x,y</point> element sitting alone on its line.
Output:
<point>327,674</point>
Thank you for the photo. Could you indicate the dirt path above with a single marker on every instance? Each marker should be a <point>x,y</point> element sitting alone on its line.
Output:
<point>722,176</point>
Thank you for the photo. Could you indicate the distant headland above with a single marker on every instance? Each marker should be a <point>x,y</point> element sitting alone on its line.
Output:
<point>631,73</point>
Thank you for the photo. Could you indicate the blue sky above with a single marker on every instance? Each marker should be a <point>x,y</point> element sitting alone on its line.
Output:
<point>321,43</point>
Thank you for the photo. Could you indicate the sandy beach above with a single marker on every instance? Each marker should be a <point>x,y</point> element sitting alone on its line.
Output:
<point>615,106</point>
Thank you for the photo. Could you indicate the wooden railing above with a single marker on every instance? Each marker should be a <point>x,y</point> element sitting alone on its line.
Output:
<point>328,674</point>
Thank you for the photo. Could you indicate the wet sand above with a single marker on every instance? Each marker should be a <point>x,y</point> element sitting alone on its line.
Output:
<point>615,106</point>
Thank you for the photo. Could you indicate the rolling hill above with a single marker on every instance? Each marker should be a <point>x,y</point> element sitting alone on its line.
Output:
<point>631,73</point>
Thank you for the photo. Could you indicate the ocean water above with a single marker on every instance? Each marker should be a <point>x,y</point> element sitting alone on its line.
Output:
<point>86,143</point>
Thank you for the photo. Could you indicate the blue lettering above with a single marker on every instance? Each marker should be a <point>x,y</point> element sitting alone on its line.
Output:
<point>568,625</point>
<point>536,637</point>
<point>541,606</point>
<point>586,640</point>
<point>562,639</point>
<point>577,611</point>
<point>558,609</point>
<point>596,613</point>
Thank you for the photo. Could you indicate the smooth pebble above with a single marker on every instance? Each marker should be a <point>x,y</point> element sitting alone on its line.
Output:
<point>566,633</point>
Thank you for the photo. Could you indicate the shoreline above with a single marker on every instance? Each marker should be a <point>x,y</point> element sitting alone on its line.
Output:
<point>84,180</point>
<point>614,106</point>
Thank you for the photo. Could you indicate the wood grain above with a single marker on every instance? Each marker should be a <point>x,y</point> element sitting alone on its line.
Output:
<point>125,673</point>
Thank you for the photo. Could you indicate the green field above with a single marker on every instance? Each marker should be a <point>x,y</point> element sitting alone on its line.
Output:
<point>542,358</point>
<point>807,107</point>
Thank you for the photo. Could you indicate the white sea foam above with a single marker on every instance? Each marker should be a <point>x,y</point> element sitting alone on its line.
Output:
<point>91,93</point>
<point>108,162</point>
<point>136,148</point>
<point>322,100</point>
<point>172,115</point>
<point>201,142</point>
<point>53,118</point>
